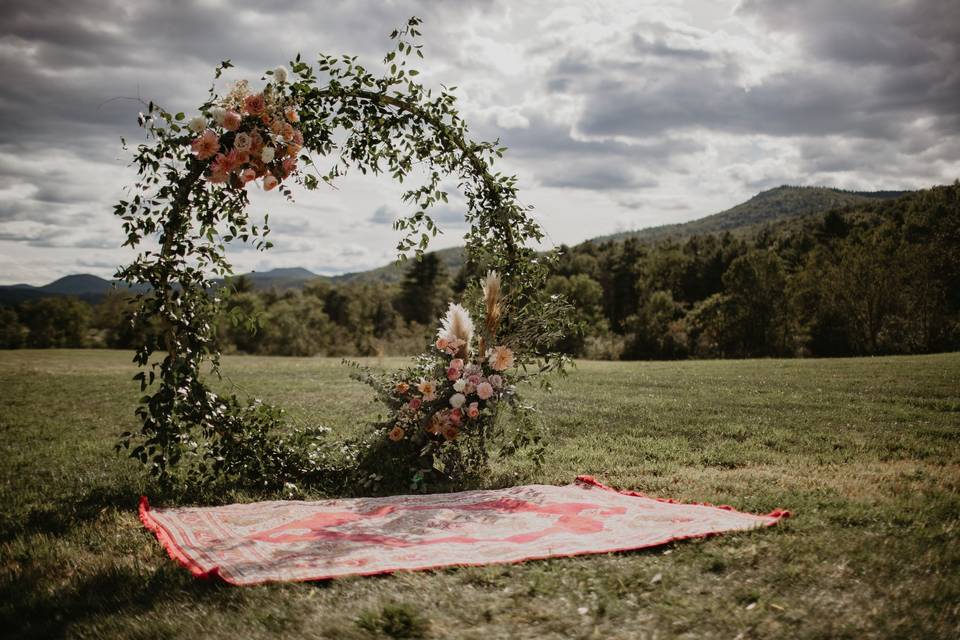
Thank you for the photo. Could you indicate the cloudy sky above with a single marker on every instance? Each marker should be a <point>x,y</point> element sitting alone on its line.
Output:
<point>618,115</point>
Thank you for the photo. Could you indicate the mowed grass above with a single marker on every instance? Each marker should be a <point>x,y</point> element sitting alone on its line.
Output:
<point>865,452</point>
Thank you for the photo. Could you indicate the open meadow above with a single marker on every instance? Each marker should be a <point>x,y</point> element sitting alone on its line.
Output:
<point>864,452</point>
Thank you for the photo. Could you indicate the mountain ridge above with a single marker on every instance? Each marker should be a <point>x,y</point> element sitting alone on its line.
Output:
<point>770,206</point>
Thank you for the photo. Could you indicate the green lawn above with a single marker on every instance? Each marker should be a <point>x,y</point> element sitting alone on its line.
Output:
<point>865,452</point>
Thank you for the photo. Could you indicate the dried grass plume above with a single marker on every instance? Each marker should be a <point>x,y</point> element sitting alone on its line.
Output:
<point>491,299</point>
<point>457,326</point>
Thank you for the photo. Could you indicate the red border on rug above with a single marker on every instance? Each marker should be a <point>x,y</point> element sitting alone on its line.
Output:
<point>180,556</point>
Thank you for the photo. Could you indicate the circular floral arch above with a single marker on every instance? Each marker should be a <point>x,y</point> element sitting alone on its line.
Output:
<point>191,198</point>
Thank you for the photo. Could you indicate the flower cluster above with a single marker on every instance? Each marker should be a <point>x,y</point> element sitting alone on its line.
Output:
<point>248,136</point>
<point>460,382</point>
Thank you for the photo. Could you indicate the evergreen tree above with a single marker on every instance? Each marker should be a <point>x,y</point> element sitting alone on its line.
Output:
<point>425,290</point>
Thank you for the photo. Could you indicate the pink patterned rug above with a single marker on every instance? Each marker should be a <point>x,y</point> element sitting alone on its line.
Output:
<point>247,544</point>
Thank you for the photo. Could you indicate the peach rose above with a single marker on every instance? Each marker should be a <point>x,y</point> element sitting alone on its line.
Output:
<point>292,114</point>
<point>254,104</point>
<point>428,388</point>
<point>501,358</point>
<point>242,142</point>
<point>484,390</point>
<point>270,183</point>
<point>402,388</point>
<point>231,121</point>
<point>207,145</point>
<point>473,411</point>
<point>396,434</point>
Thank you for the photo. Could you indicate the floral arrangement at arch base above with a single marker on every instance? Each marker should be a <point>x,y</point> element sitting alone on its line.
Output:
<point>445,405</point>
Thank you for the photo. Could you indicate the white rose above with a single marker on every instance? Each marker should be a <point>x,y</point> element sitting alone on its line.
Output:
<point>460,385</point>
<point>457,400</point>
<point>267,154</point>
<point>218,114</point>
<point>197,124</point>
<point>280,74</point>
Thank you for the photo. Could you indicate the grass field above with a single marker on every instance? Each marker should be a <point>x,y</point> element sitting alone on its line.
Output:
<point>865,452</point>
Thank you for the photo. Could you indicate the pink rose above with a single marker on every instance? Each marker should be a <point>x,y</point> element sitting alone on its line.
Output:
<point>474,379</point>
<point>231,121</point>
<point>456,363</point>
<point>484,390</point>
<point>442,344</point>
<point>453,374</point>
<point>415,403</point>
<point>270,182</point>
<point>254,104</point>
<point>496,381</point>
<point>473,410</point>
<point>456,416</point>
<point>248,175</point>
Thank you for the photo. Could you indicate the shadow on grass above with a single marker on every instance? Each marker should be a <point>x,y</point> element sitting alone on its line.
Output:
<point>30,609</point>
<point>68,512</point>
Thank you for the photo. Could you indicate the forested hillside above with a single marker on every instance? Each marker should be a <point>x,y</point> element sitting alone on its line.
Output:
<point>874,274</point>
<point>767,207</point>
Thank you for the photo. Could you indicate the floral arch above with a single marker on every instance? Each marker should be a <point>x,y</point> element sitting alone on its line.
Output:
<point>191,198</point>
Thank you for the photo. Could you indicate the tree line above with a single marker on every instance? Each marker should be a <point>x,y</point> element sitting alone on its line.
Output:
<point>880,278</point>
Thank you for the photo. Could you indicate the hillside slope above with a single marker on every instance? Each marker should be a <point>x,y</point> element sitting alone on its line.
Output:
<point>767,207</point>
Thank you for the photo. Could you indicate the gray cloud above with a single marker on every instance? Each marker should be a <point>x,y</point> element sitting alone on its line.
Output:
<point>645,46</point>
<point>639,114</point>
<point>599,177</point>
<point>383,215</point>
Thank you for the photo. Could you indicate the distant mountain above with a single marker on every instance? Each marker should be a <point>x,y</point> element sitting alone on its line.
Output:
<point>84,286</point>
<point>91,288</point>
<point>77,285</point>
<point>452,258</point>
<point>281,279</point>
<point>767,207</point>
